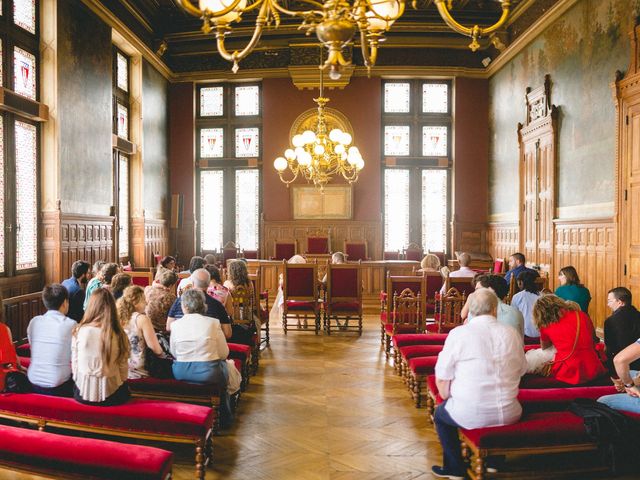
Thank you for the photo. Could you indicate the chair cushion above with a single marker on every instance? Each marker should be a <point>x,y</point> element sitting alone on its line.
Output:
<point>411,351</point>
<point>400,328</point>
<point>432,388</point>
<point>403,339</point>
<point>534,430</point>
<point>423,365</point>
<point>538,381</point>
<point>301,305</point>
<point>171,385</point>
<point>238,350</point>
<point>346,306</point>
<point>85,456</point>
<point>556,399</point>
<point>433,328</point>
<point>137,415</point>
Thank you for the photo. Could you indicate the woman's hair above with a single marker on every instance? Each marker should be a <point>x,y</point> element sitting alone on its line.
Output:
<point>193,301</point>
<point>195,263</point>
<point>210,259</point>
<point>238,274</point>
<point>97,266</point>
<point>499,285</point>
<point>119,282</point>
<point>548,309</point>
<point>214,272</point>
<point>482,279</point>
<point>297,259</point>
<point>528,280</point>
<point>430,261</point>
<point>571,275</point>
<point>108,272</point>
<point>167,260</point>
<point>166,277</point>
<point>126,304</point>
<point>102,312</point>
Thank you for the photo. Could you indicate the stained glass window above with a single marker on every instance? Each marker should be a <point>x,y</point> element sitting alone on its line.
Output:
<point>122,72</point>
<point>211,209</point>
<point>123,121</point>
<point>123,205</point>
<point>24,73</point>
<point>435,98</point>
<point>397,97</point>
<point>247,208</point>
<point>434,141</point>
<point>247,142</point>
<point>396,140</point>
<point>247,100</point>
<point>434,210</point>
<point>27,200</point>
<point>396,209</point>
<point>2,194</point>
<point>212,142</point>
<point>24,14</point>
<point>211,101</point>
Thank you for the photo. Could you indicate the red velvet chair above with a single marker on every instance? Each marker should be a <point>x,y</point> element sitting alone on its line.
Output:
<point>448,312</point>
<point>413,252</point>
<point>407,316</point>
<point>157,258</point>
<point>391,255</point>
<point>356,251</point>
<point>229,252</point>
<point>463,285</point>
<point>498,265</point>
<point>300,295</point>
<point>344,295</point>
<point>262,304</point>
<point>284,250</point>
<point>395,285</point>
<point>318,245</point>
<point>250,254</point>
<point>433,284</point>
<point>142,279</point>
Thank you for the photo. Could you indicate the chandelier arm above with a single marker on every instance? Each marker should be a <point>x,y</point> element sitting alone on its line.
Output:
<point>253,6</point>
<point>188,6</point>
<point>369,48</point>
<point>476,31</point>
<point>505,14</point>
<point>237,56</point>
<point>370,7</point>
<point>303,13</point>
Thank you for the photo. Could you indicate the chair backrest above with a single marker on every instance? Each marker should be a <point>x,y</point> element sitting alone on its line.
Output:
<point>141,279</point>
<point>413,252</point>
<point>284,250</point>
<point>396,284</point>
<point>498,265</point>
<point>407,311</point>
<point>433,284</point>
<point>252,254</point>
<point>243,305</point>
<point>344,283</point>
<point>229,251</point>
<point>513,289</point>
<point>355,250</point>
<point>391,255</point>
<point>261,298</point>
<point>441,256</point>
<point>448,313</point>
<point>157,258</point>
<point>463,285</point>
<point>318,245</point>
<point>300,281</point>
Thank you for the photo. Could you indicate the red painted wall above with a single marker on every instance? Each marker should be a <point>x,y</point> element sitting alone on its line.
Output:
<point>471,150</point>
<point>360,102</point>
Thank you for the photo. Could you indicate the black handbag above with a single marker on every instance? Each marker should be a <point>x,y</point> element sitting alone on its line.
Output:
<point>159,366</point>
<point>17,382</point>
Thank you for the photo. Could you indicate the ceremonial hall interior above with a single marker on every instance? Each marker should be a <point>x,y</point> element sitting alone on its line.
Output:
<point>329,151</point>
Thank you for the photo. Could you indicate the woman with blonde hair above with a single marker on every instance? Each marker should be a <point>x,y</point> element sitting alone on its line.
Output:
<point>139,329</point>
<point>566,336</point>
<point>99,354</point>
<point>430,263</point>
<point>119,282</point>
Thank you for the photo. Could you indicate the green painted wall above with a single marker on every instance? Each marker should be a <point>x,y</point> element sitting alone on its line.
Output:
<point>581,51</point>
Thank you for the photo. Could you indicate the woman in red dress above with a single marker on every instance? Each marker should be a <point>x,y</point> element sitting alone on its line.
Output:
<point>564,326</point>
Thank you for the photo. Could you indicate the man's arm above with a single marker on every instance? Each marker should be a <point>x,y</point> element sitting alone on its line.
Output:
<point>622,361</point>
<point>443,387</point>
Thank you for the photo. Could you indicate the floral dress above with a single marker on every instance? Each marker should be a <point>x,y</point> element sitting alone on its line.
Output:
<point>138,346</point>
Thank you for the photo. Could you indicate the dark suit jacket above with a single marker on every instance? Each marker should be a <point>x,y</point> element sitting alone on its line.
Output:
<point>621,329</point>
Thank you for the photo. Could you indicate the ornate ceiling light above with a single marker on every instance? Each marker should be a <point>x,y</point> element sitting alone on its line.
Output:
<point>335,23</point>
<point>317,155</point>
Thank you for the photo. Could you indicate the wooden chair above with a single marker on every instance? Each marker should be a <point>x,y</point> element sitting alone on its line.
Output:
<point>229,252</point>
<point>413,252</point>
<point>461,284</point>
<point>433,284</point>
<point>261,303</point>
<point>406,316</point>
<point>142,279</point>
<point>157,258</point>
<point>300,294</point>
<point>250,254</point>
<point>448,315</point>
<point>244,313</point>
<point>391,255</point>
<point>498,265</point>
<point>542,282</point>
<point>356,251</point>
<point>318,245</point>
<point>284,250</point>
<point>344,296</point>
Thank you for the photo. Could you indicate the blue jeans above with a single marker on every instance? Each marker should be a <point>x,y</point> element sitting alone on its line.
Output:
<point>447,430</point>
<point>623,401</point>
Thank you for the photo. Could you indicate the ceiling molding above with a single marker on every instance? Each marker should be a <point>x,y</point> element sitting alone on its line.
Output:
<point>518,11</point>
<point>114,22</point>
<point>529,35</point>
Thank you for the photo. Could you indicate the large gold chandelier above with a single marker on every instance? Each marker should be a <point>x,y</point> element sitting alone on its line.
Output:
<point>335,23</point>
<point>319,155</point>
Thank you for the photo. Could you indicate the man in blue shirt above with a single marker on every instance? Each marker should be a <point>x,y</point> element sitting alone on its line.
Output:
<point>517,266</point>
<point>75,286</point>
<point>50,341</point>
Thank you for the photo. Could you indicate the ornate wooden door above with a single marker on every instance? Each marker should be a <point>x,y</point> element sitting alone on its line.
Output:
<point>537,177</point>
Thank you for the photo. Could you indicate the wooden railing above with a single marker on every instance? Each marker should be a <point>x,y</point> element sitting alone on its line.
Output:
<point>18,312</point>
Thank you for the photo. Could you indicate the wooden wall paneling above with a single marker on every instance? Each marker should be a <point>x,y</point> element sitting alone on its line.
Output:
<point>589,246</point>
<point>156,240</point>
<point>137,240</point>
<point>51,254</point>
<point>19,310</point>
<point>86,237</point>
<point>503,239</point>
<point>20,284</point>
<point>469,237</point>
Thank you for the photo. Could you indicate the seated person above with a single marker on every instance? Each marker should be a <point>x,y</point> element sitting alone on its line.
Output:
<point>277,309</point>
<point>238,275</point>
<point>50,341</point>
<point>566,333</point>
<point>622,328</point>
<point>210,259</point>
<point>524,301</point>
<point>169,263</point>
<point>215,309</point>
<point>100,354</point>
<point>337,258</point>
<point>8,356</point>
<point>217,290</point>
<point>99,280</point>
<point>571,289</point>
<point>160,297</point>
<point>517,266</point>
<point>477,374</point>
<point>430,263</point>
<point>119,282</point>
<point>628,400</point>
<point>464,259</point>
<point>195,264</point>
<point>75,285</point>
<point>139,330</point>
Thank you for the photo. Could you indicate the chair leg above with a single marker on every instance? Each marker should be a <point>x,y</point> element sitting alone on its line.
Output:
<point>382,335</point>
<point>284,323</point>
<point>360,325</point>
<point>430,408</point>
<point>267,331</point>
<point>479,467</point>
<point>417,390</point>
<point>387,346</point>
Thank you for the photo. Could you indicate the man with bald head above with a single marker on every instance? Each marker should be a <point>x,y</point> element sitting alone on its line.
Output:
<point>200,279</point>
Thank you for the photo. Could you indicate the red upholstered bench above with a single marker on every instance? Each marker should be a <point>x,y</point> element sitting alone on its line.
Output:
<point>80,458</point>
<point>537,381</point>
<point>556,399</point>
<point>238,351</point>
<point>139,418</point>
<point>419,368</point>
<point>407,339</point>
<point>534,434</point>
<point>408,352</point>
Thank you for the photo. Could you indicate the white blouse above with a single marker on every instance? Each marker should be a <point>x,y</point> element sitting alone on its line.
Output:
<point>95,381</point>
<point>196,338</point>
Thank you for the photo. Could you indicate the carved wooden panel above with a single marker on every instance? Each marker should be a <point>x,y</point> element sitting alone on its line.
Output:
<point>156,240</point>
<point>20,284</point>
<point>51,246</point>
<point>469,237</point>
<point>502,239</point>
<point>339,231</point>
<point>18,312</point>
<point>85,237</point>
<point>591,248</point>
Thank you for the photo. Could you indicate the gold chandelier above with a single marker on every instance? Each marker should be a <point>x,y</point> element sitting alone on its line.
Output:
<point>334,21</point>
<point>319,155</point>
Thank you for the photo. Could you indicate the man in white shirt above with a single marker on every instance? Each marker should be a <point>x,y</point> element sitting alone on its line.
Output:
<point>464,259</point>
<point>50,341</point>
<point>477,374</point>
